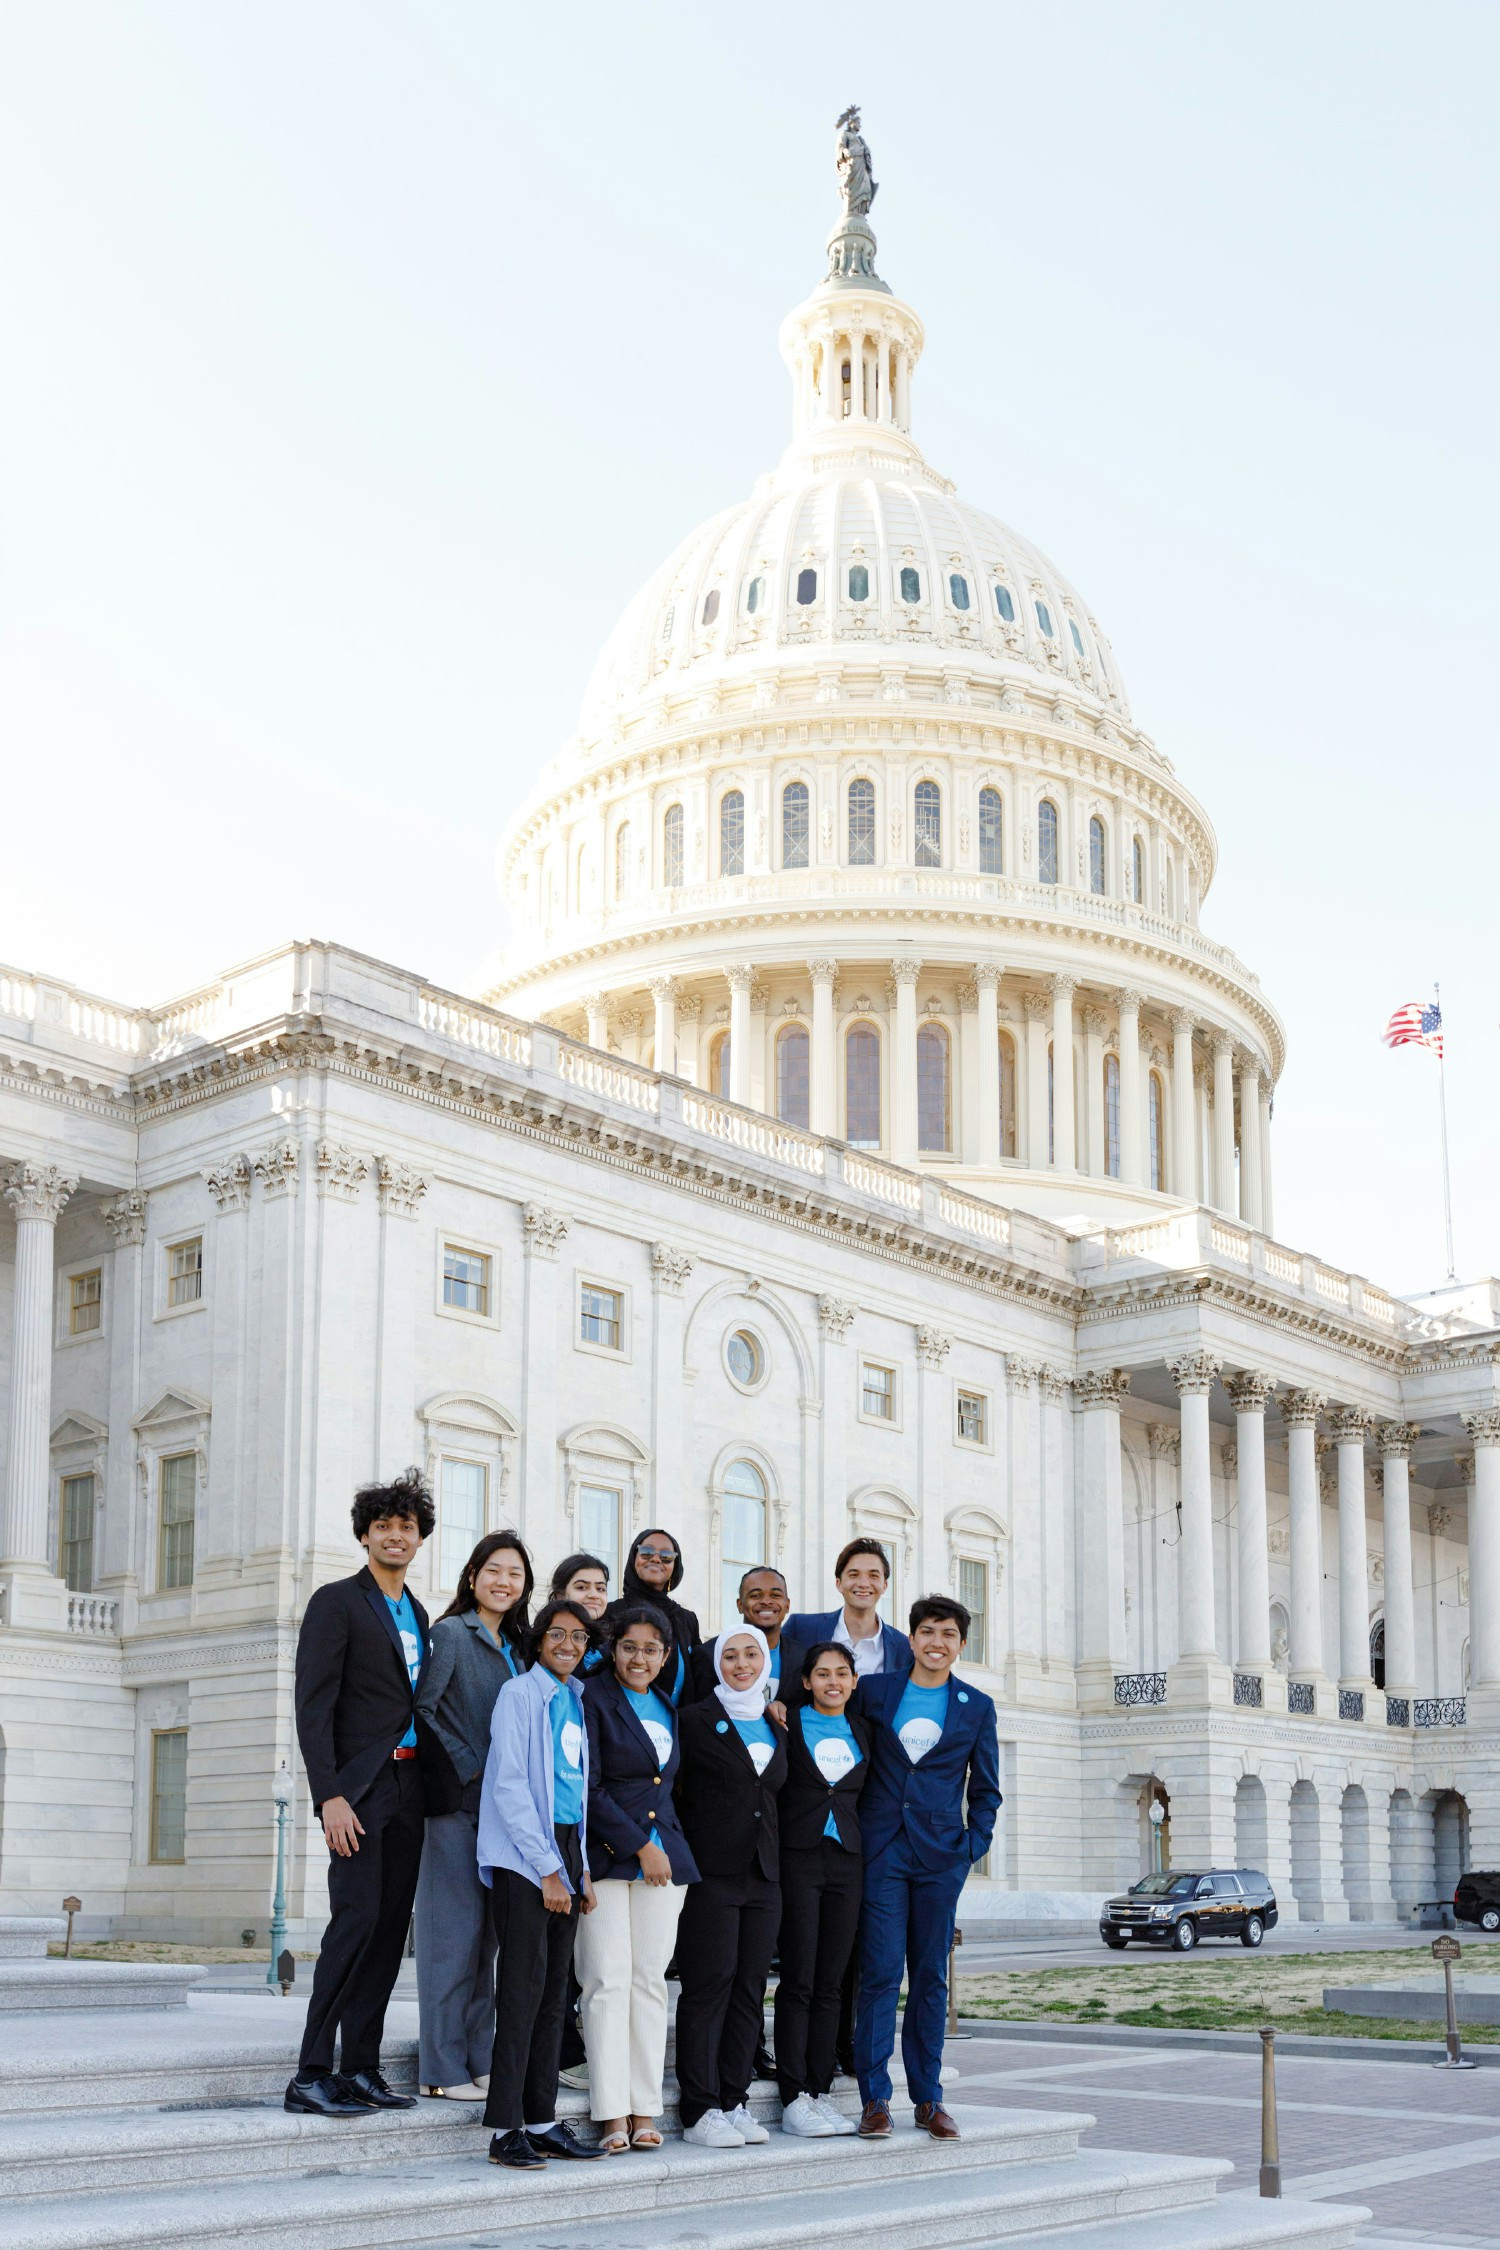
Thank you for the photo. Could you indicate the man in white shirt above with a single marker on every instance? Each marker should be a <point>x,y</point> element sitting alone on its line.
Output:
<point>861,1574</point>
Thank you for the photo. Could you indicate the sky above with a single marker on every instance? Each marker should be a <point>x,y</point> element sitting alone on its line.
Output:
<point>363,359</point>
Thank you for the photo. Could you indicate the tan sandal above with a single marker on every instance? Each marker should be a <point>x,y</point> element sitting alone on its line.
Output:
<point>614,2144</point>
<point>645,2136</point>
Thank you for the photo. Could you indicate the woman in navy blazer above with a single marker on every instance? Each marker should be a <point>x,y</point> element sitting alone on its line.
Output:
<point>641,1866</point>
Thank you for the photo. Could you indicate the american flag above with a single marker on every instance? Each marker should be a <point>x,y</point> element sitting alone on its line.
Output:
<point>1418,1024</point>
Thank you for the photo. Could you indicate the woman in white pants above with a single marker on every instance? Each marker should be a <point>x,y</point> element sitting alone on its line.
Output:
<point>640,1863</point>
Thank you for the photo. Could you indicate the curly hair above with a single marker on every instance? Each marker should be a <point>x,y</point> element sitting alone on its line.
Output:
<point>406,1495</point>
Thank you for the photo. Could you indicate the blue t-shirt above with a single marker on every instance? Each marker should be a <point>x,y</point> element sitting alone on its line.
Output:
<point>758,1740</point>
<point>567,1757</point>
<point>919,1719</point>
<point>833,1749</point>
<point>411,1648</point>
<point>656,1718</point>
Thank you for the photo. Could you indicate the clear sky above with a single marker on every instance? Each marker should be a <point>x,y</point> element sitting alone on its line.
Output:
<point>361,359</point>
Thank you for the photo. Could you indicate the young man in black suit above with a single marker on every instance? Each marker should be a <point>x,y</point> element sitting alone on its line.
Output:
<point>360,1655</point>
<point>764,1601</point>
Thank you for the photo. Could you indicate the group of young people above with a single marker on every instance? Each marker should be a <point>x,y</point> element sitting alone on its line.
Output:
<point>581,1803</point>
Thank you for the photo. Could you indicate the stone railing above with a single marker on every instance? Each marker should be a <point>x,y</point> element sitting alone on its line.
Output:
<point>1439,1711</point>
<point>974,1216</point>
<point>96,1614</point>
<point>867,1175</point>
<point>467,1025</point>
<point>1202,1237</point>
<point>80,1018</point>
<point>609,1076</point>
<point>1133,1688</point>
<point>752,1131</point>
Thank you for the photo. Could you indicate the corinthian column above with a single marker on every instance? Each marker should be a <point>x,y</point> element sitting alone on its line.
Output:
<point>1182,1168</point>
<point>987,984</point>
<point>1484,1549</point>
<point>823,1099</point>
<point>1250,1163</point>
<point>1348,1424</point>
<point>1095,1025</point>
<point>903,1094</point>
<point>36,1193</point>
<point>1223,1136</point>
<point>1101,1618</point>
<point>1132,1115</point>
<point>1393,1442</point>
<point>664,995</point>
<point>1064,1134</point>
<point>740,978</point>
<point>1248,1394</point>
<point>1300,1411</point>
<point>1194,1376</point>
<point>1035,1007</point>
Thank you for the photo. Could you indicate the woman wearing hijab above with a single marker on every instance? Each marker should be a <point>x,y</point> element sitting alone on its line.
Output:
<point>653,1570</point>
<point>733,1766</point>
<point>478,1644</point>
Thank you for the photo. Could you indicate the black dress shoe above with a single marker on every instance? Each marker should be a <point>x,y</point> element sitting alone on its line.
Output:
<point>322,2096</point>
<point>515,2148</point>
<point>369,2089</point>
<point>843,2062</point>
<point>560,2140</point>
<point>764,2065</point>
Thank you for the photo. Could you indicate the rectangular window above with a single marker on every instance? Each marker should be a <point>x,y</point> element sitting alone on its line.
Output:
<point>169,1796</point>
<point>462,1490</point>
<point>466,1284</point>
<point>84,1302</point>
<point>602,1317</point>
<point>973,1418</point>
<point>877,1391</point>
<point>185,1272</point>
<point>178,1485</point>
<point>76,1535</point>
<point>599,1526</point>
<point>796,829</point>
<point>974,1593</point>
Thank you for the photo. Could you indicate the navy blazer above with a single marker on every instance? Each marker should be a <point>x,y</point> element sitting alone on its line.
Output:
<point>807,1800</point>
<point>630,1795</point>
<point>354,1696</point>
<point>728,1810</point>
<point>926,1800</point>
<point>818,1625</point>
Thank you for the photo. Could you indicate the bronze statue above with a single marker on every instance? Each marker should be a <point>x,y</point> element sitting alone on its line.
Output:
<point>856,182</point>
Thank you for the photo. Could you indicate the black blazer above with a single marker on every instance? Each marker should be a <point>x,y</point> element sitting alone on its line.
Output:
<point>630,1796</point>
<point>728,1810</point>
<point>703,1679</point>
<point>354,1698</point>
<point>807,1799</point>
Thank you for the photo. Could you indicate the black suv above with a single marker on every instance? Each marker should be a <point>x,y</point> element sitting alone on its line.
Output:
<point>1477,1900</point>
<point>1178,1909</point>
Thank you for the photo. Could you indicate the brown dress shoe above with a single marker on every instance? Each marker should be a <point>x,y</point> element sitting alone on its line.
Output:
<point>934,2119</point>
<point>875,2121</point>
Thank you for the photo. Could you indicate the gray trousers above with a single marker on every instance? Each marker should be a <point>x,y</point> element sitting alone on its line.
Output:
<point>455,1955</point>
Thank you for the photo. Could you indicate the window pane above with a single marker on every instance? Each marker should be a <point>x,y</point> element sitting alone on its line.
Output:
<point>83,1303</point>
<point>1005,604</point>
<point>1112,1116</point>
<point>862,1087</point>
<point>77,1534</point>
<point>958,591</point>
<point>745,1357</point>
<point>744,1531</point>
<point>796,825</point>
<point>672,847</point>
<point>859,583</point>
<point>599,1526</point>
<point>466,1279</point>
<point>1137,872</point>
<point>973,1592</point>
<point>461,1496</point>
<point>1044,619</point>
<point>911,585</point>
<point>1077,636</point>
<point>732,833</point>
<point>1046,841</point>
<point>991,833</point>
<point>793,1077</point>
<point>929,824</point>
<point>600,1312</point>
<point>169,1796</point>
<point>711,606</point>
<point>185,1272</point>
<point>1096,855</point>
<point>932,1087</point>
<point>807,587</point>
<point>178,1486</point>
<point>971,1422</point>
<point>861,824</point>
<point>755,594</point>
<point>878,1391</point>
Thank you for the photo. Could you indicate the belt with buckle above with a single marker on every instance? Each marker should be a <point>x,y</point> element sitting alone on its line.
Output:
<point>404,1750</point>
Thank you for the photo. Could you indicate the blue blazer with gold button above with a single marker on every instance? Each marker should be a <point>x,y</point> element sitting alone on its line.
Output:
<point>928,1798</point>
<point>630,1790</point>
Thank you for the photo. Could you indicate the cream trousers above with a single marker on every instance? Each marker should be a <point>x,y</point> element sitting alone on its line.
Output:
<point>622,1953</point>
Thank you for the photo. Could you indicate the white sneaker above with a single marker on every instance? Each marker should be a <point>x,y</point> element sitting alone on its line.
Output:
<point>575,2078</point>
<point>803,2118</point>
<point>828,2109</point>
<point>745,2125</point>
<point>482,2081</point>
<point>713,2130</point>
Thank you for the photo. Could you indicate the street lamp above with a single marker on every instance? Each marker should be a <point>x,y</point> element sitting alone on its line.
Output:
<point>283,1790</point>
<point>1157,1818</point>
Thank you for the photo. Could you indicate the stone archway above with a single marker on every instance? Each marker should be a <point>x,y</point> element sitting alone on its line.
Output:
<point>1252,1839</point>
<point>1413,1876</point>
<point>1450,1840</point>
<point>1307,1851</point>
<point>1355,1843</point>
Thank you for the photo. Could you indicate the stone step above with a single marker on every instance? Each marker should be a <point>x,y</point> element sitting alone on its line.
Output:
<point>41,1987</point>
<point>242,2050</point>
<point>1232,2222</point>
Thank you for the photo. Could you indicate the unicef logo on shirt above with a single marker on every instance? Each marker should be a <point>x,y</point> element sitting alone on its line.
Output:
<point>918,1737</point>
<point>572,1742</point>
<point>833,1760</point>
<point>660,1739</point>
<point>761,1753</point>
<point>411,1649</point>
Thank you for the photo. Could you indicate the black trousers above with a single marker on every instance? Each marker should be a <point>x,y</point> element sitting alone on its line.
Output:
<point>821,1888</point>
<point>534,1955</point>
<point>725,1940</point>
<point>370,1894</point>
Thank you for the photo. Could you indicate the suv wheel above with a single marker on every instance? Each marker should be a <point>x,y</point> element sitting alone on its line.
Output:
<point>1254,1930</point>
<point>1490,1918</point>
<point>1185,1936</point>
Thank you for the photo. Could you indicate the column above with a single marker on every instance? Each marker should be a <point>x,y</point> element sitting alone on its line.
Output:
<point>1393,1442</point>
<point>1194,1376</point>
<point>1223,1141</point>
<point>1036,1008</point>
<point>934,1446</point>
<point>1250,1167</point>
<point>758,1096</point>
<point>689,1066</point>
<point>1094,1027</point>
<point>664,995</point>
<point>1300,1411</point>
<point>987,980</point>
<point>1248,1393</point>
<point>1484,1549</point>
<point>1133,1138</point>
<point>740,979</point>
<point>1348,1424</point>
<point>1064,1135</point>
<point>902,1088</point>
<point>1024,1588</point>
<point>596,1004</point>
<point>1101,1530</point>
<point>1182,1169</point>
<point>1267,1207</point>
<point>546,1325</point>
<point>36,1193</point>
<point>823,1101</point>
<point>125,1216</point>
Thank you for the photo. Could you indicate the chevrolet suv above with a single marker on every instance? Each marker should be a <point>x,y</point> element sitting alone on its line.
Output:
<point>1177,1909</point>
<point>1477,1900</point>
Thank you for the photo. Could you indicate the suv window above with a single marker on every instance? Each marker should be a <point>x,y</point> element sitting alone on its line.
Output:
<point>1164,1886</point>
<point>1226,1886</point>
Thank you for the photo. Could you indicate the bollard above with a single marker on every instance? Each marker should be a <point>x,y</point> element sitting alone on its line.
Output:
<point>1448,1950</point>
<point>1270,2147</point>
<point>958,1939</point>
<point>71,1906</point>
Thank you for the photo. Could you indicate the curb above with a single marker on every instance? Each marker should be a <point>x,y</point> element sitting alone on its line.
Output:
<point>1224,2042</point>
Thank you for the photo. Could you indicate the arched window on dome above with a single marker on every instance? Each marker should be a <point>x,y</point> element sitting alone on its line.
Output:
<point>958,590</point>
<point>668,622</point>
<point>1046,841</point>
<point>718,1065</point>
<point>1156,1112</point>
<point>1005,603</point>
<point>1007,1094</point>
<point>796,824</point>
<point>911,584</point>
<point>793,1075</point>
<point>991,833</point>
<point>1112,1116</point>
<point>928,824</point>
<point>1137,871</point>
<point>732,832</point>
<point>1077,636</point>
<point>1170,884</point>
<point>742,1532</point>
<point>807,588</point>
<point>671,848</point>
<point>862,1086</point>
<point>1044,619</point>
<point>622,860</point>
<point>1096,855</point>
<point>859,582</point>
<point>710,605</point>
<point>934,1120</point>
<point>755,596</point>
<point>862,823</point>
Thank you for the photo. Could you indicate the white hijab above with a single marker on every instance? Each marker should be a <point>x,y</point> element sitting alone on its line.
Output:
<point>748,1702</point>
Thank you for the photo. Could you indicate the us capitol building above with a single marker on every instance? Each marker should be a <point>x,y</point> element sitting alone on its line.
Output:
<point>865,1136</point>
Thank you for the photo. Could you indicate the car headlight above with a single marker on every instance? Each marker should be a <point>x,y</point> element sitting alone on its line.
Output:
<point>1161,1913</point>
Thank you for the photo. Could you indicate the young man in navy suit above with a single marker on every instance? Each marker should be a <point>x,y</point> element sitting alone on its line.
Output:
<point>933,1738</point>
<point>861,1575</point>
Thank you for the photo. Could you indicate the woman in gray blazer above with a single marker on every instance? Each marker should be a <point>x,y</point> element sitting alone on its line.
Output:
<point>478,1644</point>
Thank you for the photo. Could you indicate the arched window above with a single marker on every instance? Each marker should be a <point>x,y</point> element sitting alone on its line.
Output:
<point>671,847</point>
<point>793,1080</point>
<point>732,832</point>
<point>1077,636</point>
<point>796,829</point>
<point>958,590</point>
<point>1137,871</point>
<point>1044,619</point>
<point>1096,855</point>
<point>1156,1113</point>
<point>807,587</point>
<point>1377,1651</point>
<point>743,1531</point>
<point>1005,603</point>
<point>622,860</point>
<point>710,605</point>
<point>668,622</point>
<point>862,1086</point>
<point>991,833</point>
<point>859,583</point>
<point>1112,1116</point>
<point>718,1066</point>
<point>929,824</point>
<point>933,1121</point>
<point>755,595</point>
<point>861,823</point>
<point>1007,1094</point>
<point>911,584</point>
<point>1046,841</point>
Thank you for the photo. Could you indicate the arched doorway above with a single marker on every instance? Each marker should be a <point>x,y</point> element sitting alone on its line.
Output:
<point>1251,1828</point>
<point>1377,1650</point>
<point>1450,1840</point>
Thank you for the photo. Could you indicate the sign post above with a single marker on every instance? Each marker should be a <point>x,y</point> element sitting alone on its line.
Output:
<point>1448,1950</point>
<point>71,1906</point>
<point>1270,2151</point>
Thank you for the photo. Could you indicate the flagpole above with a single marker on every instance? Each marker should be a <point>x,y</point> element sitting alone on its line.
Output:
<point>1443,1116</point>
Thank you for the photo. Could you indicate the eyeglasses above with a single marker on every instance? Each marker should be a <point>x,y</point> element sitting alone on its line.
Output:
<point>566,1636</point>
<point>656,1554</point>
<point>642,1648</point>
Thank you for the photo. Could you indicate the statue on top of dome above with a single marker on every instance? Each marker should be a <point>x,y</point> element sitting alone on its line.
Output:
<point>856,181</point>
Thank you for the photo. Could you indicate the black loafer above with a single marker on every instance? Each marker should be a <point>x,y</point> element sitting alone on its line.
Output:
<point>369,2089</point>
<point>515,2148</point>
<point>764,2065</point>
<point>322,2096</point>
<point>559,2140</point>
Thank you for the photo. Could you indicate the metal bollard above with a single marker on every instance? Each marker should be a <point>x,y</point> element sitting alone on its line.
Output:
<point>1270,2147</point>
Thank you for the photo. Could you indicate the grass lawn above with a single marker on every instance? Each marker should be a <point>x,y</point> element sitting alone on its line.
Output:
<point>142,1949</point>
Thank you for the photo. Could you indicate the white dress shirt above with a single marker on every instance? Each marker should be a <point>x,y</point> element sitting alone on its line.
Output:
<point>868,1655</point>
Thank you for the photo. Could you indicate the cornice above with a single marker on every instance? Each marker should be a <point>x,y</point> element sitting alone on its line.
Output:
<point>1202,1288</point>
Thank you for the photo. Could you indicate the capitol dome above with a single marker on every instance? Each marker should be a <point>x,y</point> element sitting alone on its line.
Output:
<point>857,830</point>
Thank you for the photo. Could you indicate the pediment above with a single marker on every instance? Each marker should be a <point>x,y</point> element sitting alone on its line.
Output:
<point>77,1428</point>
<point>173,1406</point>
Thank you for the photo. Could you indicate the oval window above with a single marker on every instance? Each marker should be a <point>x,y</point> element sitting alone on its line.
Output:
<point>807,587</point>
<point>859,583</point>
<point>755,595</point>
<point>958,589</point>
<point>746,1360</point>
<point>1044,619</point>
<point>710,605</point>
<point>1005,605</point>
<point>911,585</point>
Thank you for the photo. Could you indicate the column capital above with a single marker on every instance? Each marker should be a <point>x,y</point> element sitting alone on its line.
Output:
<point>1036,1006</point>
<point>905,969</point>
<point>670,1267</point>
<point>38,1191</point>
<point>596,1003</point>
<point>823,971</point>
<point>1484,1426</point>
<point>543,1230</point>
<point>1300,1409</point>
<point>835,1318</point>
<point>968,997</point>
<point>662,988</point>
<point>1105,1387</point>
<point>933,1346</point>
<point>987,975</point>
<point>1222,1043</point>
<point>399,1187</point>
<point>1194,1373</point>
<point>1051,1381</point>
<point>1183,1020</point>
<point>740,976</point>
<point>690,1006</point>
<point>126,1218</point>
<point>1250,1390</point>
<point>1348,1425</point>
<point>629,1021</point>
<point>1095,1021</point>
<point>1062,985</point>
<point>1394,1440</point>
<point>1464,1463</point>
<point>278,1167</point>
<point>1163,1441</point>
